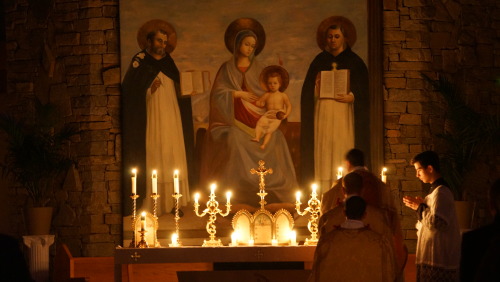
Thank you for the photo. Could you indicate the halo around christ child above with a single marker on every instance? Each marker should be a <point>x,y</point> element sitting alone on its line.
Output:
<point>347,25</point>
<point>242,24</point>
<point>267,71</point>
<point>154,25</point>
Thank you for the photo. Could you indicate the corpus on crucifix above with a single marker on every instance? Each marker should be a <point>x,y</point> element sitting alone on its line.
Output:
<point>262,171</point>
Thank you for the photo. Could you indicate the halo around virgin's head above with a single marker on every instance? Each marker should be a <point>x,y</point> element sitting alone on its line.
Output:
<point>347,25</point>
<point>154,25</point>
<point>242,24</point>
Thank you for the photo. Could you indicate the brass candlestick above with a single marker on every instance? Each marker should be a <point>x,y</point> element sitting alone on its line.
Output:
<point>134,218</point>
<point>142,243</point>
<point>155,197</point>
<point>176,196</point>
<point>314,208</point>
<point>212,209</point>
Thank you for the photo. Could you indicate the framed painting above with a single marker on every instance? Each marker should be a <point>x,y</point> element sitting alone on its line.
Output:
<point>210,88</point>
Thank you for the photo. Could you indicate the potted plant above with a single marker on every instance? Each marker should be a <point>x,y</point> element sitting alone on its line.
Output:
<point>36,154</point>
<point>467,135</point>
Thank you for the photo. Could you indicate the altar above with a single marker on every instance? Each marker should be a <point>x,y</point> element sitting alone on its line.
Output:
<point>224,263</point>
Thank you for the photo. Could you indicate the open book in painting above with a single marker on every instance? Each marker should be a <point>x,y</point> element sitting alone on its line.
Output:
<point>194,82</point>
<point>334,82</point>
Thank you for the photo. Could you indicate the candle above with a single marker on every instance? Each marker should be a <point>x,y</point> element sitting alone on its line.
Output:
<point>383,176</point>
<point>274,242</point>
<point>212,188</point>
<point>176,181</point>
<point>196,197</point>
<point>314,187</point>
<point>339,172</point>
<point>134,181</point>
<point>228,196</point>
<point>143,221</point>
<point>154,179</point>
<point>174,239</point>
<point>234,238</point>
<point>297,196</point>
<point>293,238</point>
<point>251,242</point>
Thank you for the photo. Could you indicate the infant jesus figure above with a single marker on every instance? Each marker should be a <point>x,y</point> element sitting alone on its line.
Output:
<point>274,79</point>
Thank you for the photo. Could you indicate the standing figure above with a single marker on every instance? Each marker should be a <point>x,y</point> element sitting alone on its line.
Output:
<point>330,127</point>
<point>438,243</point>
<point>157,122</point>
<point>276,102</point>
<point>228,152</point>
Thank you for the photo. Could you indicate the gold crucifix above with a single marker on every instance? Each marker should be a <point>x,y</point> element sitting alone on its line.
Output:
<point>262,171</point>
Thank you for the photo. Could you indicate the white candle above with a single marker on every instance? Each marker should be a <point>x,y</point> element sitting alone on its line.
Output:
<point>196,197</point>
<point>154,179</point>
<point>234,238</point>
<point>314,187</point>
<point>212,188</point>
<point>297,196</point>
<point>228,196</point>
<point>176,181</point>
<point>143,220</point>
<point>383,176</point>
<point>251,242</point>
<point>339,172</point>
<point>174,239</point>
<point>274,242</point>
<point>134,181</point>
<point>293,238</point>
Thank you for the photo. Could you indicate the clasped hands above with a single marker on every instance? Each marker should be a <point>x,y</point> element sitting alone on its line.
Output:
<point>412,202</point>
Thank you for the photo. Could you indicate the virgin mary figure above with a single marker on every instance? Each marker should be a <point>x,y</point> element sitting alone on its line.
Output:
<point>229,154</point>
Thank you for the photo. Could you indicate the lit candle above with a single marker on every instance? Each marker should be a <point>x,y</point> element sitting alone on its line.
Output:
<point>212,188</point>
<point>293,238</point>
<point>174,239</point>
<point>176,181</point>
<point>383,176</point>
<point>143,220</point>
<point>274,242</point>
<point>314,187</point>
<point>196,197</point>
<point>154,179</point>
<point>251,242</point>
<point>134,181</point>
<point>228,196</point>
<point>297,196</point>
<point>339,172</point>
<point>234,238</point>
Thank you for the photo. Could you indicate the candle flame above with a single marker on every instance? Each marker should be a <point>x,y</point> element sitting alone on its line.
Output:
<point>134,170</point>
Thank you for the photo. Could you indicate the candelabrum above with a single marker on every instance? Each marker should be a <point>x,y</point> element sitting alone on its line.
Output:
<point>155,197</point>
<point>134,218</point>
<point>212,210</point>
<point>176,197</point>
<point>142,243</point>
<point>314,208</point>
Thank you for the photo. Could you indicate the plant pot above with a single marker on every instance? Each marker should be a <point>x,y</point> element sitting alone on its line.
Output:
<point>464,214</point>
<point>39,220</point>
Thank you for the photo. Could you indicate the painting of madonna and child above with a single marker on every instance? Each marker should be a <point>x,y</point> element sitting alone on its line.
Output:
<point>209,88</point>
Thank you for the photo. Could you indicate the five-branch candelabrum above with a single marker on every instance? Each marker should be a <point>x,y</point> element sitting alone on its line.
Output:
<point>314,208</point>
<point>212,210</point>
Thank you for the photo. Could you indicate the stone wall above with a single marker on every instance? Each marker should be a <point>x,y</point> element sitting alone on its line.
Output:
<point>67,52</point>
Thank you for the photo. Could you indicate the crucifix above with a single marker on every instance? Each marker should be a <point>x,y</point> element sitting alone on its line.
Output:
<point>262,171</point>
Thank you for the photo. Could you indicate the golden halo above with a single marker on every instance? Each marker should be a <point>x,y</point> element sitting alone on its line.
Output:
<point>264,75</point>
<point>347,25</point>
<point>242,24</point>
<point>153,25</point>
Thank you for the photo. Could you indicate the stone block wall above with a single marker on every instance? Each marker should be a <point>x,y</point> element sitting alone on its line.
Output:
<point>67,52</point>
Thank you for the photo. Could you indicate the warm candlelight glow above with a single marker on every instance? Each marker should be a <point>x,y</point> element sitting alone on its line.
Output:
<point>274,242</point>
<point>340,172</point>
<point>176,181</point>
<point>314,187</point>
<point>134,181</point>
<point>143,220</point>
<point>251,242</point>
<point>154,186</point>
<point>234,238</point>
<point>228,196</point>
<point>174,239</point>
<point>293,238</point>
<point>196,197</point>
<point>297,196</point>
<point>212,188</point>
<point>383,176</point>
